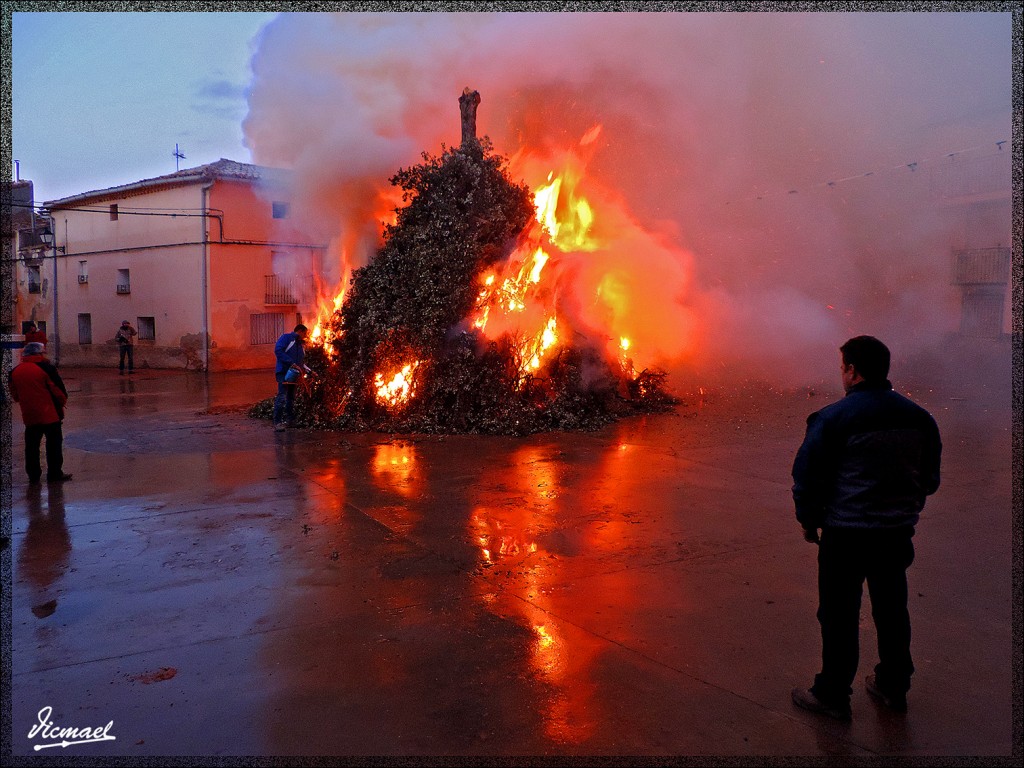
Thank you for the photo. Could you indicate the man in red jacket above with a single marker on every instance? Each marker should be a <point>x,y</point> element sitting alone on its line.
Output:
<point>32,333</point>
<point>37,387</point>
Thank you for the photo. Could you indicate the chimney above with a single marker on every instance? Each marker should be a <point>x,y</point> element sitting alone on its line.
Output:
<point>468,102</point>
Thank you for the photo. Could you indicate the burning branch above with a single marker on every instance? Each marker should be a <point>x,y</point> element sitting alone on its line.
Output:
<point>454,326</point>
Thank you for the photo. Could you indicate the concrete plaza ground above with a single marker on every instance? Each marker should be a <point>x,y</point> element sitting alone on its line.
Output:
<point>214,588</point>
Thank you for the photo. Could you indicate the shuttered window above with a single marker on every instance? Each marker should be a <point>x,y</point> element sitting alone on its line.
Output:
<point>265,328</point>
<point>85,329</point>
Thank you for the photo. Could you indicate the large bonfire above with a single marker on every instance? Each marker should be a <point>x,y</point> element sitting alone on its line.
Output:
<point>454,325</point>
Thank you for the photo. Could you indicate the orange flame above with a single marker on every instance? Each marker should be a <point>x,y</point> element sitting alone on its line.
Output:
<point>322,334</point>
<point>518,299</point>
<point>606,277</point>
<point>567,218</point>
<point>548,338</point>
<point>347,247</point>
<point>514,296</point>
<point>584,267</point>
<point>400,389</point>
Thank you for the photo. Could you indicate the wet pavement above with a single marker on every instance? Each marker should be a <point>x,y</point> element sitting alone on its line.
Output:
<point>211,587</point>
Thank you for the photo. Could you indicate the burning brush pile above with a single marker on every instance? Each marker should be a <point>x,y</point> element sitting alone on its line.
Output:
<point>452,326</point>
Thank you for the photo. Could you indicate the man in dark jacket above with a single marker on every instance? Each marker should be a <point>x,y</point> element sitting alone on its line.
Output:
<point>38,388</point>
<point>125,337</point>
<point>862,474</point>
<point>290,354</point>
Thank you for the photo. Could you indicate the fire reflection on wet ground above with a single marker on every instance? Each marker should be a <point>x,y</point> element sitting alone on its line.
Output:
<point>639,590</point>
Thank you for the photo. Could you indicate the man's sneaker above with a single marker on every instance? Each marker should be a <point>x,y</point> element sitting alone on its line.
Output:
<point>57,478</point>
<point>279,427</point>
<point>897,703</point>
<point>805,699</point>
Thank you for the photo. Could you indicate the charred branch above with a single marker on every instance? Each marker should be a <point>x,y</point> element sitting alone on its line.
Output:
<point>468,102</point>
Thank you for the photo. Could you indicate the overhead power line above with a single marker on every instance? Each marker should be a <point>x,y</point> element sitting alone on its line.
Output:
<point>171,212</point>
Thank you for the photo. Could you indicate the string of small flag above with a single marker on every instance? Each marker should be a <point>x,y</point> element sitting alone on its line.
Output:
<point>912,167</point>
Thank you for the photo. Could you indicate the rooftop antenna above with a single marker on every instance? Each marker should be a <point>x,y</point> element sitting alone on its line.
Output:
<point>177,156</point>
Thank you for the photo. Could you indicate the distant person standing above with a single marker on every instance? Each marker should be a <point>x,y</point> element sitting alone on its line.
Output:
<point>862,474</point>
<point>126,346</point>
<point>34,335</point>
<point>38,388</point>
<point>290,353</point>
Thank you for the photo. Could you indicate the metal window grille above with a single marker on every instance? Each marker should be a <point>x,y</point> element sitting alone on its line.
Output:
<point>265,328</point>
<point>147,329</point>
<point>286,290</point>
<point>85,329</point>
<point>982,266</point>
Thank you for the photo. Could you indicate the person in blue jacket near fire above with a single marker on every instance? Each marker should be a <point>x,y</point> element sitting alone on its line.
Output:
<point>290,353</point>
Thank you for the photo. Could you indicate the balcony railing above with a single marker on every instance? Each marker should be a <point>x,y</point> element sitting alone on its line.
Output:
<point>287,290</point>
<point>121,288</point>
<point>982,266</point>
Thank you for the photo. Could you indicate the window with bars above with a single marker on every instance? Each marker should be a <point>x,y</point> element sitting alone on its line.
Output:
<point>147,329</point>
<point>85,329</point>
<point>265,328</point>
<point>982,266</point>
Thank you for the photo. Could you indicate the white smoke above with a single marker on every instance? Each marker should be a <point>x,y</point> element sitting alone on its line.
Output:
<point>720,132</point>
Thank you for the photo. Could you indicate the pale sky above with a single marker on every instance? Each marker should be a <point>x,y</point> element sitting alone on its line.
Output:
<point>100,99</point>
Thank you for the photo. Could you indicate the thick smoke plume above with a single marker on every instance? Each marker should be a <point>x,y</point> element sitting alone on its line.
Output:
<point>705,144</point>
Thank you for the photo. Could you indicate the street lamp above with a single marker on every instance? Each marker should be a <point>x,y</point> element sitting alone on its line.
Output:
<point>50,241</point>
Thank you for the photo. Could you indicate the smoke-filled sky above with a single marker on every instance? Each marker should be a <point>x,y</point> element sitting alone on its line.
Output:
<point>720,135</point>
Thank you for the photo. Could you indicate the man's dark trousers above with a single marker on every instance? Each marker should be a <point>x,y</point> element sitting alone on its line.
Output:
<point>127,350</point>
<point>34,435</point>
<point>284,403</point>
<point>846,558</point>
